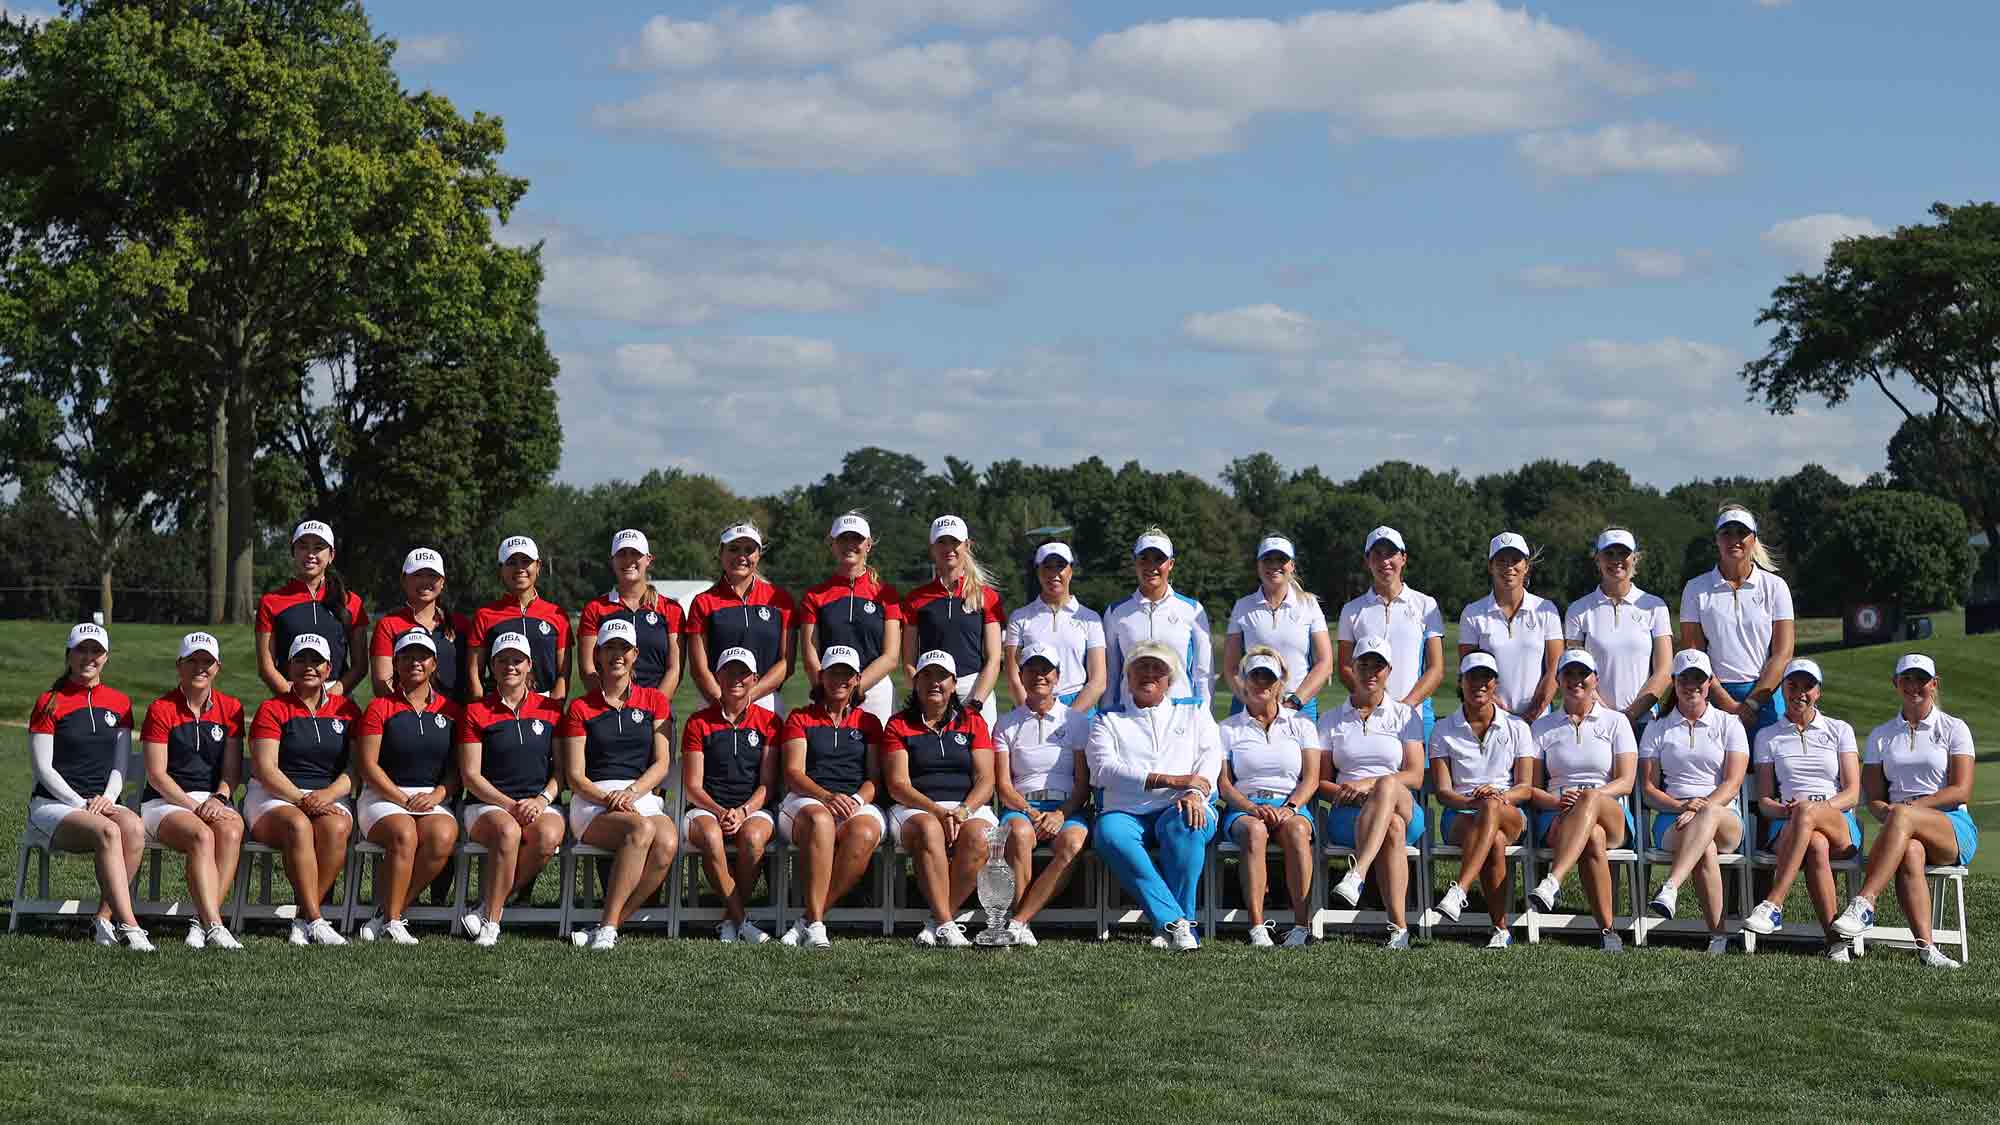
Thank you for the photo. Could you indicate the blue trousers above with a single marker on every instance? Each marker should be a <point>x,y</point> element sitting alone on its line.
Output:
<point>1167,890</point>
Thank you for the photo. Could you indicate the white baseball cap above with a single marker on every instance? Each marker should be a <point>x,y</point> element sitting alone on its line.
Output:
<point>1506,541</point>
<point>1809,667</point>
<point>423,558</point>
<point>1376,536</point>
<point>1041,650</point>
<point>1374,646</point>
<point>617,629</point>
<point>739,655</point>
<point>1277,543</point>
<point>417,638</point>
<point>1155,650</point>
<point>511,641</point>
<point>199,642</point>
<point>949,527</point>
<point>838,656</point>
<point>1048,551</point>
<point>88,631</point>
<point>938,658</point>
<point>1616,537</point>
<point>1263,662</point>
<point>1914,662</point>
<point>1692,659</point>
<point>850,523</point>
<point>1477,661</point>
<point>737,531</point>
<point>519,545</point>
<point>1158,543</point>
<point>313,527</point>
<point>1736,515</point>
<point>630,537</point>
<point>310,642</point>
<point>1576,656</point>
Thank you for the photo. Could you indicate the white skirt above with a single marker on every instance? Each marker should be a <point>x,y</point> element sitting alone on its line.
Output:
<point>373,806</point>
<point>582,812</point>
<point>259,801</point>
<point>899,815</point>
<point>789,811</point>
<point>158,809</point>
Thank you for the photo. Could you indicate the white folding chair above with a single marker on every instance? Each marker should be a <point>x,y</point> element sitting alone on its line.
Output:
<point>1938,876</point>
<point>1623,860</point>
<point>471,854</point>
<point>35,846</point>
<point>687,876</point>
<point>151,903</point>
<point>1847,874</point>
<point>1733,863</point>
<point>1436,848</point>
<point>1216,915</point>
<point>1416,896</point>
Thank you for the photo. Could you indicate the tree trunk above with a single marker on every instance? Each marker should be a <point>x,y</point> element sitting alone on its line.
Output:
<point>108,543</point>
<point>242,504</point>
<point>218,507</point>
<point>104,594</point>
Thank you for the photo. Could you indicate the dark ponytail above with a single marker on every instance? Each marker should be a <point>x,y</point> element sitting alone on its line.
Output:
<point>333,595</point>
<point>48,706</point>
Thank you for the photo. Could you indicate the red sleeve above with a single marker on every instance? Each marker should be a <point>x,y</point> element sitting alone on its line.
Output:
<point>475,637</point>
<point>671,612</point>
<point>892,605</point>
<point>697,615</point>
<point>232,718</point>
<point>808,609</point>
<point>382,643</point>
<point>795,727</point>
<point>466,732</point>
<point>371,722</point>
<point>996,611</point>
<point>586,622</point>
<point>788,610</point>
<point>156,728</point>
<point>692,735</point>
<point>892,738</point>
<point>265,622</point>
<point>357,614</point>
<point>572,721</point>
<point>268,724</point>
<point>41,721</point>
<point>871,729</point>
<point>982,735</point>
<point>348,710</point>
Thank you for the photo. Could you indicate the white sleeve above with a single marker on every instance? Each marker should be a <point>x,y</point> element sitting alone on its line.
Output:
<point>1106,764</point>
<point>1649,743</point>
<point>1433,621</point>
<point>1467,634</point>
<point>114,784</point>
<point>1690,604</point>
<point>1093,634</point>
<point>1846,737</point>
<point>1872,755</point>
<point>1413,726</point>
<point>1208,746</point>
<point>1012,636</point>
<point>1781,600</point>
<point>1663,625</point>
<point>1553,619</point>
<point>1573,624</point>
<point>42,753</point>
<point>1202,687</point>
<point>1621,739</point>
<point>1736,741</point>
<point>1346,626</point>
<point>1760,746</point>
<point>1316,619</point>
<point>1960,744</point>
<point>1235,623</point>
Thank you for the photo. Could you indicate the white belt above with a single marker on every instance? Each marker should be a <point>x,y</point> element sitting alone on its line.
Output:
<point>1045,795</point>
<point>1271,794</point>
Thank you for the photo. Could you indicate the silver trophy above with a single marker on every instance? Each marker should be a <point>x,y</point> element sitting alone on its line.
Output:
<point>996,890</point>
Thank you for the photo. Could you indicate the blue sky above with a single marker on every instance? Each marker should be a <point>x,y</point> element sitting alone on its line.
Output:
<point>1463,234</point>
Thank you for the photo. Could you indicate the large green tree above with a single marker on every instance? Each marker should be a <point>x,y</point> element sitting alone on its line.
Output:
<point>1884,544</point>
<point>1937,455</point>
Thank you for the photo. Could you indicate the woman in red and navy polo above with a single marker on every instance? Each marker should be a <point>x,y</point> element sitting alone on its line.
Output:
<point>402,751</point>
<point>79,736</point>
<point>615,753</point>
<point>958,612</point>
<point>729,771</point>
<point>937,765</point>
<point>832,770</point>
<point>655,620</point>
<point>193,739</point>
<point>522,610</point>
<point>423,608</point>
<point>298,795</point>
<point>315,601</point>
<point>507,762</point>
<point>855,609</point>
<point>741,611</point>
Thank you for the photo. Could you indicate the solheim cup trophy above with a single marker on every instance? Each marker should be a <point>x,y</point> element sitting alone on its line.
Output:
<point>996,890</point>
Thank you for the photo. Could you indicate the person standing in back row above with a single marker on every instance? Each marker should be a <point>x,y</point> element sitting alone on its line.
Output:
<point>1281,616</point>
<point>741,610</point>
<point>1408,619</point>
<point>1522,632</point>
<point>656,620</point>
<point>1158,614</point>
<point>521,609</point>
<point>1067,627</point>
<point>423,608</point>
<point>855,609</point>
<point>1627,631</point>
<point>1740,613</point>
<point>958,612</point>
<point>315,601</point>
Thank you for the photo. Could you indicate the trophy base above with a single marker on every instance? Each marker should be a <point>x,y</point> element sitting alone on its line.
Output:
<point>993,938</point>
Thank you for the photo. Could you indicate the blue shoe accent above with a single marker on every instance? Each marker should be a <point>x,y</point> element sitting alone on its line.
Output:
<point>1777,919</point>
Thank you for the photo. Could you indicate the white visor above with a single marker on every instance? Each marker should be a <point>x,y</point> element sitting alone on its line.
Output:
<point>1476,661</point>
<point>1808,667</point>
<point>1158,543</point>
<point>743,531</point>
<point>1736,515</point>
<point>1917,662</point>
<point>1576,656</point>
<point>1277,543</point>
<point>1263,662</point>
<point>1506,541</point>
<point>1693,659</point>
<point>1048,551</point>
<point>1616,537</point>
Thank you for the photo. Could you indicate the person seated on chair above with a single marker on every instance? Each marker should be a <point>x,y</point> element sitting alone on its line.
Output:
<point>507,762</point>
<point>1374,764</point>
<point>1588,761</point>
<point>1270,772</point>
<point>1482,767</point>
<point>1038,767</point>
<point>1156,761</point>
<point>193,740</point>
<point>1693,760</point>
<point>1917,773</point>
<point>79,736</point>
<point>937,764</point>
<point>615,754</point>
<point>403,753</point>
<point>1808,784</point>
<point>832,770</point>
<point>729,770</point>
<point>299,783</point>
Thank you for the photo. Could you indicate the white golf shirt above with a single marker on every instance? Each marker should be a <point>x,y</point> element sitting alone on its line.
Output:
<point>1371,747</point>
<point>1479,761</point>
<point>1072,631</point>
<point>1041,748</point>
<point>1519,647</point>
<point>1271,760</point>
<point>1915,756</point>
<point>1408,622</point>
<point>1619,635</point>
<point>1806,764</point>
<point>1177,621</point>
<point>1127,745</point>
<point>1288,629</point>
<point>1692,755</point>
<point>1581,754</point>
<point>1737,620</point>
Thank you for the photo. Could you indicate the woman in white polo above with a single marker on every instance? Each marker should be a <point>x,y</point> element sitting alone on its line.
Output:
<point>1627,631</point>
<point>1270,773</point>
<point>937,766</point>
<point>1157,614</point>
<point>729,773</point>
<point>1523,631</point>
<point>1588,763</point>
<point>1740,613</point>
<point>1482,768</point>
<point>1408,620</point>
<point>1281,616</point>
<point>403,752</point>
<point>1070,629</point>
<point>1375,761</point>
<point>832,767</point>
<point>1808,784</point>
<point>1039,776</point>
<point>1692,761</point>
<point>193,739</point>
<point>1917,774</point>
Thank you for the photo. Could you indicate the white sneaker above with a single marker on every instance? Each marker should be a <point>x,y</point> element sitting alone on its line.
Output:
<point>299,934</point>
<point>1349,887</point>
<point>1453,902</point>
<point>137,941</point>
<point>1666,902</point>
<point>1501,939</point>
<point>1398,939</point>
<point>796,936</point>
<point>1611,943</point>
<point>1020,934</point>
<point>1260,935</point>
<point>726,933</point>
<point>1297,937</point>
<point>197,937</point>
<point>747,932</point>
<point>473,922</point>
<point>1180,936</point>
<point>1840,954</point>
<point>604,938</point>
<point>322,933</point>
<point>372,928</point>
<point>489,935</point>
<point>816,936</point>
<point>1930,956</point>
<point>219,937</point>
<point>1764,918</point>
<point>927,937</point>
<point>1855,920</point>
<point>952,936</point>
<point>398,931</point>
<point>1718,944</point>
<point>1543,897</point>
<point>103,932</point>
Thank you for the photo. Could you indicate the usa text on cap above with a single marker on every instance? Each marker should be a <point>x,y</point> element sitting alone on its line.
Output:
<point>938,658</point>
<point>514,642</point>
<point>1394,537</point>
<point>1736,515</point>
<point>849,524</point>
<point>88,631</point>
<point>748,531</point>
<point>1377,647</point>
<point>417,638</point>
<point>423,558</point>
<point>1048,551</point>
<point>1616,537</point>
<point>741,656</point>
<point>1158,543</point>
<point>949,527</point>
<point>1276,545</point>
<point>840,656</point>
<point>313,527</point>
<point>617,629</point>
<point>1692,659</point>
<point>199,642</point>
<point>630,539</point>
<point>1805,667</point>
<point>1155,650</point>
<point>519,545</point>
<point>1043,652</point>
<point>1578,656</point>
<point>1917,662</point>
<point>310,642</point>
<point>1478,661</point>
<point>1263,662</point>
<point>1506,541</point>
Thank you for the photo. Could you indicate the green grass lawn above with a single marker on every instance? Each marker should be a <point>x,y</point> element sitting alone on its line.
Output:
<point>876,1030</point>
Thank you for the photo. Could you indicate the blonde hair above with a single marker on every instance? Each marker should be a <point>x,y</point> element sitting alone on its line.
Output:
<point>873,574</point>
<point>1242,666</point>
<point>757,568</point>
<point>977,579</point>
<point>1300,594</point>
<point>1760,555</point>
<point>1636,555</point>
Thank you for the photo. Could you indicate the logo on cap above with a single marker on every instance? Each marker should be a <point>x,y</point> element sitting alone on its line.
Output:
<point>518,545</point>
<point>1616,537</point>
<point>1381,533</point>
<point>842,525</point>
<point>949,527</point>
<point>743,531</point>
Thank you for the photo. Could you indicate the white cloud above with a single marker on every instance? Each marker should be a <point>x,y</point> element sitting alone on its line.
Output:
<point>429,50</point>
<point>1645,147</point>
<point>1773,3</point>
<point>1805,241</point>
<point>1653,265</point>
<point>1556,277</point>
<point>805,34</point>
<point>1260,329</point>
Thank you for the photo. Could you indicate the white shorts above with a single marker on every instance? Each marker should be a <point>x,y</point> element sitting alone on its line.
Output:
<point>373,806</point>
<point>789,811</point>
<point>582,812</point>
<point>988,711</point>
<point>881,700</point>
<point>689,817</point>
<point>259,801</point>
<point>900,815</point>
<point>159,809</point>
<point>474,810</point>
<point>45,813</point>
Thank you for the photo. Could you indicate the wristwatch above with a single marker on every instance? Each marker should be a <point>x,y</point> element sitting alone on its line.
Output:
<point>1293,701</point>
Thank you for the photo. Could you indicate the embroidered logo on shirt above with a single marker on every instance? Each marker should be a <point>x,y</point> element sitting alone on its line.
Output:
<point>652,619</point>
<point>440,721</point>
<point>338,726</point>
<point>958,738</point>
<point>753,740</point>
<point>638,715</point>
<point>763,613</point>
<point>111,718</point>
<point>537,726</point>
<point>546,629</point>
<point>215,733</point>
<point>868,607</point>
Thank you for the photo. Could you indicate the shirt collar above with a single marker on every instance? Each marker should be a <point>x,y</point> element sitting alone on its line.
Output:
<point>1717,582</point>
<point>1069,606</point>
